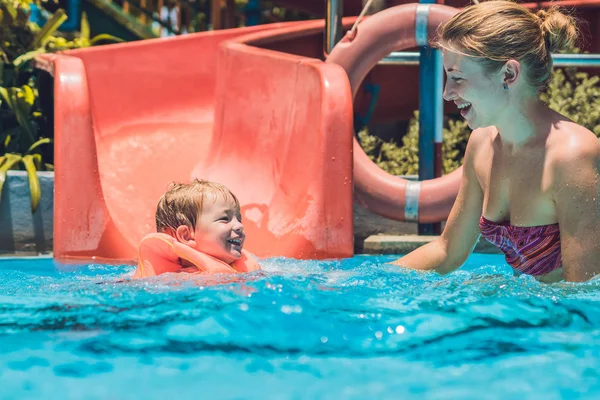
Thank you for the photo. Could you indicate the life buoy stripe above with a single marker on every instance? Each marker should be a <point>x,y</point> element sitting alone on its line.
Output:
<point>421,24</point>
<point>411,208</point>
<point>394,29</point>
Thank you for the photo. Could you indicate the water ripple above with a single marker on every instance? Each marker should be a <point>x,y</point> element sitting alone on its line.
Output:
<point>299,323</point>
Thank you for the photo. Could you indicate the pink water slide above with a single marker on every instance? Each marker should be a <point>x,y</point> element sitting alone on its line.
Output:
<point>245,107</point>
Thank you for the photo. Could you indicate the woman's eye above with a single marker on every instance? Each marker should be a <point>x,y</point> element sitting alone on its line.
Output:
<point>223,219</point>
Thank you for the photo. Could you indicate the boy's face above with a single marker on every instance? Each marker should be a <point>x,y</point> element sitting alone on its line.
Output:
<point>219,231</point>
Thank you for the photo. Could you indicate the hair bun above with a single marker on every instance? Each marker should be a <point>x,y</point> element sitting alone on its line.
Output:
<point>559,29</point>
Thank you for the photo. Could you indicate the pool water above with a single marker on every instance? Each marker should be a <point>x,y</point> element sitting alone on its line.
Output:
<point>350,329</point>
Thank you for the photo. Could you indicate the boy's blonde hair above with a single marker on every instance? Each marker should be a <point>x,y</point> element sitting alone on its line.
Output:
<point>182,203</point>
<point>497,31</point>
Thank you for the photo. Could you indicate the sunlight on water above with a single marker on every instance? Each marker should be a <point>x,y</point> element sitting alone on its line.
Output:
<point>356,328</point>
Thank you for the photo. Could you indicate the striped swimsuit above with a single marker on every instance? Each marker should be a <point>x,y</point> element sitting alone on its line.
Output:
<point>532,250</point>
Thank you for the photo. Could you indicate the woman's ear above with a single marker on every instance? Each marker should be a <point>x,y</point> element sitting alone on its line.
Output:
<point>184,234</point>
<point>511,72</point>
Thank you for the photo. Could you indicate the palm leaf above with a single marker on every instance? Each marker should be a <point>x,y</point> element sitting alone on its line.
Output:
<point>12,12</point>
<point>28,56</point>
<point>37,162</point>
<point>38,144</point>
<point>49,28</point>
<point>7,162</point>
<point>7,96</point>
<point>85,27</point>
<point>20,101</point>
<point>23,101</point>
<point>34,182</point>
<point>28,95</point>
<point>105,37</point>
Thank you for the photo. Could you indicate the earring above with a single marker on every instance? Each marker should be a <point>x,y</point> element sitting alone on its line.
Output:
<point>505,86</point>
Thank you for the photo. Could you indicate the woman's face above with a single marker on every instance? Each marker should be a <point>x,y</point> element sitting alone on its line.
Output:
<point>478,95</point>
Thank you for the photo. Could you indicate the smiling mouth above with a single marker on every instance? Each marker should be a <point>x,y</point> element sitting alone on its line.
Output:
<point>464,108</point>
<point>237,242</point>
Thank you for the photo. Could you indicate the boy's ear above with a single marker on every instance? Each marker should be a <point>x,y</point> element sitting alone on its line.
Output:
<point>185,235</point>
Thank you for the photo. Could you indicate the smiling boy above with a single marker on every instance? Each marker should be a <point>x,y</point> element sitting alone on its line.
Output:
<point>200,230</point>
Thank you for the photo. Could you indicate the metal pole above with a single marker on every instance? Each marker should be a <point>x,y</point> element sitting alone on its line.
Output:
<point>576,60</point>
<point>215,14</point>
<point>430,107</point>
<point>559,60</point>
<point>252,12</point>
<point>438,119</point>
<point>334,11</point>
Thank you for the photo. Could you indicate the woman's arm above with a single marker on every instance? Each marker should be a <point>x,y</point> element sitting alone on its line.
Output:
<point>576,196</point>
<point>461,233</point>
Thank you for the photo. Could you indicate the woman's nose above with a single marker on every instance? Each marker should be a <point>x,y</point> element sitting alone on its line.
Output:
<point>448,92</point>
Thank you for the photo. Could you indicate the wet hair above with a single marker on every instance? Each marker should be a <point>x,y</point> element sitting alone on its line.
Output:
<point>498,31</point>
<point>182,203</point>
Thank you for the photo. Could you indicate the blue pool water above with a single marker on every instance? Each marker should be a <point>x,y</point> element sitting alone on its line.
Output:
<point>356,329</point>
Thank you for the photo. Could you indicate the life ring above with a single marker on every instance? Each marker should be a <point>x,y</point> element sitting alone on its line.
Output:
<point>394,29</point>
<point>159,253</point>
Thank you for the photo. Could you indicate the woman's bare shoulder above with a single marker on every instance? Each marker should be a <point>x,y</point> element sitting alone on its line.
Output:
<point>572,150</point>
<point>481,137</point>
<point>569,142</point>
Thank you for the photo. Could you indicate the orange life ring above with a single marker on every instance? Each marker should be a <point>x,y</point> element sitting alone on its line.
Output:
<point>397,28</point>
<point>159,253</point>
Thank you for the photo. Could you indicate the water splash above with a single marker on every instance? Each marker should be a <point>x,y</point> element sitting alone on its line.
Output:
<point>346,328</point>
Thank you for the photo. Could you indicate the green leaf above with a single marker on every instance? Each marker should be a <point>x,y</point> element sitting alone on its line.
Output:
<point>106,38</point>
<point>34,183</point>
<point>28,56</point>
<point>12,11</point>
<point>7,96</point>
<point>37,162</point>
<point>38,143</point>
<point>48,29</point>
<point>85,27</point>
<point>23,101</point>
<point>7,162</point>
<point>28,95</point>
<point>4,137</point>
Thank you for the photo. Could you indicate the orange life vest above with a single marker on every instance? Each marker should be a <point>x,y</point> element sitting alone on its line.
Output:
<point>159,253</point>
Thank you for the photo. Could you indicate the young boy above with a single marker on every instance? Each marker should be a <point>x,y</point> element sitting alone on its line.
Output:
<point>199,231</point>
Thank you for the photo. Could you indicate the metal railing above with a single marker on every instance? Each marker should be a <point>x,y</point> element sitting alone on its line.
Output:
<point>333,23</point>
<point>559,60</point>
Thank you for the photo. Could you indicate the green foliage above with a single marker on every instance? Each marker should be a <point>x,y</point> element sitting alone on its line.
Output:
<point>404,159</point>
<point>21,140</point>
<point>574,94</point>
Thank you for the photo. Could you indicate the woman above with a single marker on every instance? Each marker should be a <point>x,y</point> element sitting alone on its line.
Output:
<point>530,180</point>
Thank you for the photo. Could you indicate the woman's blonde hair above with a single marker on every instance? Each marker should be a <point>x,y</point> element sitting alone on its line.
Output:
<point>498,31</point>
<point>182,203</point>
